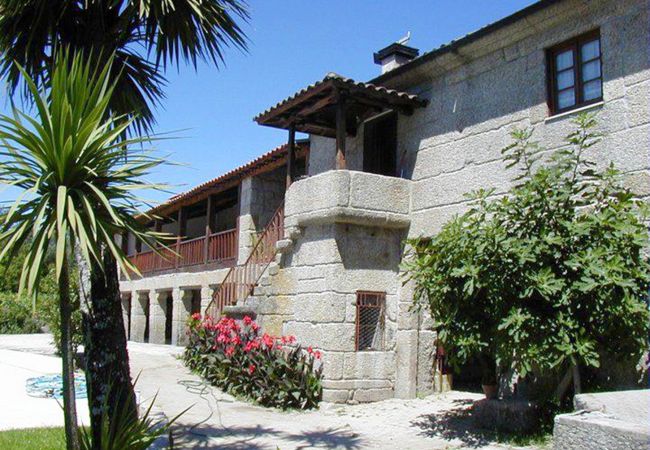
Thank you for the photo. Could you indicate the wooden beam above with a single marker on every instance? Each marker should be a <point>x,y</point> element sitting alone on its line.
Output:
<point>316,106</point>
<point>209,226</point>
<point>291,155</point>
<point>182,229</point>
<point>341,133</point>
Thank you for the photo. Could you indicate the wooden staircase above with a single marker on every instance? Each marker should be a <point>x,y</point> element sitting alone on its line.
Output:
<point>240,281</point>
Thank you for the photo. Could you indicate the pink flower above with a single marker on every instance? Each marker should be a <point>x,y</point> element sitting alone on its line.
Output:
<point>230,351</point>
<point>251,369</point>
<point>247,320</point>
<point>196,316</point>
<point>310,350</point>
<point>317,354</point>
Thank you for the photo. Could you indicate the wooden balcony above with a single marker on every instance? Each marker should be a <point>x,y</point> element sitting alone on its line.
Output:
<point>217,249</point>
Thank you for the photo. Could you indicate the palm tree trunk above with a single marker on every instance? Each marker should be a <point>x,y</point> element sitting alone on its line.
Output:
<point>107,362</point>
<point>67,356</point>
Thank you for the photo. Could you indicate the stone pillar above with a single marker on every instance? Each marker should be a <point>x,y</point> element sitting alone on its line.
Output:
<point>139,315</point>
<point>126,298</point>
<point>181,311</point>
<point>158,305</point>
<point>406,369</point>
<point>206,296</point>
<point>406,347</point>
<point>246,222</point>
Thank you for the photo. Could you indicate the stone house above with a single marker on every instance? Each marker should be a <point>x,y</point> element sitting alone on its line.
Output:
<point>311,235</point>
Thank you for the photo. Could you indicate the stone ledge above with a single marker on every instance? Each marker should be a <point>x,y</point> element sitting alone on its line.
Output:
<point>590,430</point>
<point>343,196</point>
<point>350,215</point>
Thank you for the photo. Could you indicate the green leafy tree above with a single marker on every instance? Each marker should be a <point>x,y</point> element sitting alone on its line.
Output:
<point>143,38</point>
<point>79,178</point>
<point>552,276</point>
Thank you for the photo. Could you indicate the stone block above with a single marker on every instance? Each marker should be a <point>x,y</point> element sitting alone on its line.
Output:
<point>272,324</point>
<point>325,336</point>
<point>336,396</point>
<point>512,416</point>
<point>333,365</point>
<point>320,308</point>
<point>638,105</point>
<point>451,188</point>
<point>369,365</point>
<point>377,192</point>
<point>372,395</point>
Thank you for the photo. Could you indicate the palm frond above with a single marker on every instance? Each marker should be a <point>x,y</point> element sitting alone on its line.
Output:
<point>76,170</point>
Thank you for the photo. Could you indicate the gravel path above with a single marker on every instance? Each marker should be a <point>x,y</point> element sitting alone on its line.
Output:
<point>216,420</point>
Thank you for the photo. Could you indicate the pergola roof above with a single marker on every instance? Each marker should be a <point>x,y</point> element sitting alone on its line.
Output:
<point>313,109</point>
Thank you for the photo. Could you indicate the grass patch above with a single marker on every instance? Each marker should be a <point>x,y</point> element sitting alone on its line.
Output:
<point>540,440</point>
<point>33,439</point>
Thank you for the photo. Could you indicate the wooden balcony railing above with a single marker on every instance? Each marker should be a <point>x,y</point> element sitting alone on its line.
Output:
<point>220,247</point>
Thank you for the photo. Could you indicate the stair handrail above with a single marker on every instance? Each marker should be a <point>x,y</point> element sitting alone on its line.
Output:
<point>278,216</point>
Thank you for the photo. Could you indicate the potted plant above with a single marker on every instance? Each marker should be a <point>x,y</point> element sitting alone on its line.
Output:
<point>489,377</point>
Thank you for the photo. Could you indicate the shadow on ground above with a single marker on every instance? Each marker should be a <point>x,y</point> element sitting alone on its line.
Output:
<point>455,424</point>
<point>259,437</point>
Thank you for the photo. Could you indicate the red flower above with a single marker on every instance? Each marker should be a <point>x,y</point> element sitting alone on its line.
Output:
<point>317,354</point>
<point>196,316</point>
<point>247,320</point>
<point>230,351</point>
<point>267,341</point>
<point>310,350</point>
<point>251,369</point>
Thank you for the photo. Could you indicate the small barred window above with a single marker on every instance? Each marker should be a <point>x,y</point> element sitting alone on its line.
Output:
<point>370,320</point>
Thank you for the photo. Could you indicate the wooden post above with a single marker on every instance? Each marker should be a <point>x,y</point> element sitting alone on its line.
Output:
<point>182,228</point>
<point>125,243</point>
<point>341,133</point>
<point>209,227</point>
<point>157,260</point>
<point>291,154</point>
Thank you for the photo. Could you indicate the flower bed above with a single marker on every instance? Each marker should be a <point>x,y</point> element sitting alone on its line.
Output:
<point>240,360</point>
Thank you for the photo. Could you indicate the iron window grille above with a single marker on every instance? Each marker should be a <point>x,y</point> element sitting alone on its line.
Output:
<point>370,321</point>
<point>575,77</point>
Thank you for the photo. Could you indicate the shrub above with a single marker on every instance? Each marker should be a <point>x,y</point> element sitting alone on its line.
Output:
<point>550,277</point>
<point>237,358</point>
<point>16,315</point>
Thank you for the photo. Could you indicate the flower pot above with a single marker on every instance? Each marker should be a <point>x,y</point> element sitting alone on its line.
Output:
<point>490,390</point>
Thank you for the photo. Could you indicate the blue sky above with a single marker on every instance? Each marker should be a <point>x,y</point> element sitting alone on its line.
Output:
<point>292,43</point>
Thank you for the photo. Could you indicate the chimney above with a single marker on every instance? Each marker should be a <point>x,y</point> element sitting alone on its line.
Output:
<point>395,55</point>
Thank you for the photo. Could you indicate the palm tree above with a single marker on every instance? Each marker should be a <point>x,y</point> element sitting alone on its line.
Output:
<point>143,36</point>
<point>79,177</point>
